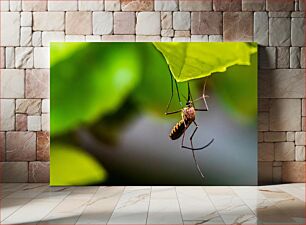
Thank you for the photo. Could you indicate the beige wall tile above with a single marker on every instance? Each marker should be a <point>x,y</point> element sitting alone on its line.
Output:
<point>285,115</point>
<point>34,5</point>
<point>142,27</point>
<point>7,114</point>
<point>21,122</point>
<point>203,5</point>
<point>37,83</point>
<point>137,5</point>
<point>238,26</point>
<point>124,22</point>
<point>112,5</point>
<point>300,138</point>
<point>48,21</point>
<point>102,22</point>
<point>229,5</point>
<point>206,23</point>
<point>78,23</point>
<point>264,173</point>
<point>28,106</point>
<point>12,83</point>
<point>280,5</point>
<point>10,28</point>
<point>284,151</point>
<point>34,123</point>
<point>24,57</point>
<point>275,136</point>
<point>14,171</point>
<point>265,152</point>
<point>91,5</point>
<point>26,19</point>
<point>39,172</point>
<point>253,5</point>
<point>123,38</point>
<point>293,172</point>
<point>169,5</point>
<point>2,146</point>
<point>281,83</point>
<point>45,122</point>
<point>43,146</point>
<point>20,146</point>
<point>56,5</point>
<point>52,36</point>
<point>299,153</point>
<point>41,57</point>
<point>25,36</point>
<point>181,20</point>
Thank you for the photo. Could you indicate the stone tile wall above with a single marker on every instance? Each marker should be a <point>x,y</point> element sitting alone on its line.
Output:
<point>28,26</point>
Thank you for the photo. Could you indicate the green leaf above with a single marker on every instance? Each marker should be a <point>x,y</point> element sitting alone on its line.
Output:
<point>92,82</point>
<point>73,166</point>
<point>189,61</point>
<point>154,89</point>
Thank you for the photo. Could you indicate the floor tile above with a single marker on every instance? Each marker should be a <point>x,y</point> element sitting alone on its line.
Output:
<point>68,210</point>
<point>273,204</point>
<point>132,207</point>
<point>9,206</point>
<point>100,208</point>
<point>32,212</point>
<point>164,206</point>
<point>195,204</point>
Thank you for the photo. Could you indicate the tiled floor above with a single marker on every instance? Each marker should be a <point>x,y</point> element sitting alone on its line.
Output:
<point>41,204</point>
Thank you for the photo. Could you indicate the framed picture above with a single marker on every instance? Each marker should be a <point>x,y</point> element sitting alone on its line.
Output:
<point>153,114</point>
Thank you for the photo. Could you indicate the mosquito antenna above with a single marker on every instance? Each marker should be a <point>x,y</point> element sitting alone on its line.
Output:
<point>197,165</point>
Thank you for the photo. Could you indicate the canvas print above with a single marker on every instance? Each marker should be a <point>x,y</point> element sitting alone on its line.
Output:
<point>153,114</point>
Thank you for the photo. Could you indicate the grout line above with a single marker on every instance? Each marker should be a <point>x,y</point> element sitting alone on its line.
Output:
<point>55,207</point>
<point>179,204</point>
<point>30,199</point>
<point>87,202</point>
<point>121,195</point>
<point>149,205</point>
<point>216,210</point>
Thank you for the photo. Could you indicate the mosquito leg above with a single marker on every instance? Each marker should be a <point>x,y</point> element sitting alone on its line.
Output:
<point>193,132</point>
<point>183,138</point>
<point>192,148</point>
<point>171,92</point>
<point>196,149</point>
<point>178,93</point>
<point>193,154</point>
<point>203,95</point>
<point>189,92</point>
<point>177,111</point>
<point>201,148</point>
<point>204,99</point>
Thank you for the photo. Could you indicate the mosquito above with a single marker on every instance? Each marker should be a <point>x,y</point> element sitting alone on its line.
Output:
<point>188,113</point>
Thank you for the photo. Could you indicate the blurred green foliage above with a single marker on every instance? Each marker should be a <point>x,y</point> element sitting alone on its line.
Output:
<point>102,87</point>
<point>190,61</point>
<point>71,165</point>
<point>236,89</point>
<point>91,82</point>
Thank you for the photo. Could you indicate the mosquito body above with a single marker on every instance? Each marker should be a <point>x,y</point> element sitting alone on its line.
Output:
<point>188,114</point>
